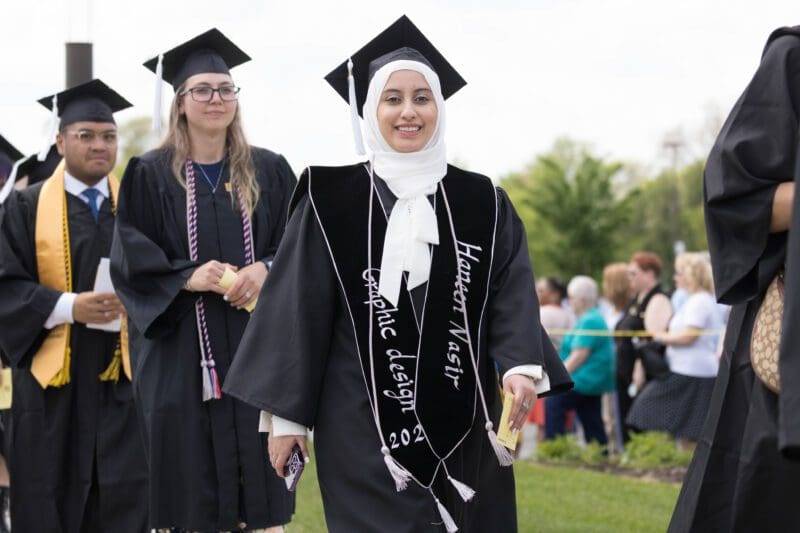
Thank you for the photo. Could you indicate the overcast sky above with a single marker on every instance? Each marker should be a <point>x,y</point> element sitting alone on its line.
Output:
<point>619,74</point>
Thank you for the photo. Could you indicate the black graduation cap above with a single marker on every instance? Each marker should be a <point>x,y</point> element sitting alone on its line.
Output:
<point>33,168</point>
<point>36,170</point>
<point>93,101</point>
<point>401,40</point>
<point>7,149</point>
<point>208,52</point>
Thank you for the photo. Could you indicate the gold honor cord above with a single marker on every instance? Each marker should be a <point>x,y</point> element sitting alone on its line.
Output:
<point>122,357</point>
<point>625,333</point>
<point>51,364</point>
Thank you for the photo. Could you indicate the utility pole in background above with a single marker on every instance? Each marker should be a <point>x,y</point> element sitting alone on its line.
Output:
<point>78,45</point>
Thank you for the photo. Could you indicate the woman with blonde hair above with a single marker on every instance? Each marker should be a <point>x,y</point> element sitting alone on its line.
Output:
<point>202,207</point>
<point>678,402</point>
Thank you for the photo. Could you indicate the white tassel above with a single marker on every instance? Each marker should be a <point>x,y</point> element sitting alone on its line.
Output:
<point>504,457</point>
<point>9,185</point>
<point>399,474</point>
<point>208,386</point>
<point>157,100</point>
<point>465,491</point>
<point>448,521</point>
<point>351,94</point>
<point>51,132</point>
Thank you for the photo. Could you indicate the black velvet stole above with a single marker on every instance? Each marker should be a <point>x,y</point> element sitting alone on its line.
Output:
<point>425,384</point>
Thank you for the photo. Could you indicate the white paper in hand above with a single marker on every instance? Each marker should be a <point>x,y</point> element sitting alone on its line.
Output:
<point>102,283</point>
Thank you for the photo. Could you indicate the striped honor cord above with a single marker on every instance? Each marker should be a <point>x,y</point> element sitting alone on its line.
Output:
<point>211,386</point>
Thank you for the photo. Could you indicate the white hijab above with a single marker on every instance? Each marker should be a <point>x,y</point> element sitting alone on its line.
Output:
<point>411,177</point>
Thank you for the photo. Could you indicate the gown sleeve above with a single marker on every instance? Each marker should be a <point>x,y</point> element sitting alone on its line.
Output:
<point>25,304</point>
<point>789,361</point>
<point>146,279</point>
<point>755,151</point>
<point>515,334</point>
<point>288,337</point>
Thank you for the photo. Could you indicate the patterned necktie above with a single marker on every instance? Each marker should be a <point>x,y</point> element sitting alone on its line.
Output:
<point>91,195</point>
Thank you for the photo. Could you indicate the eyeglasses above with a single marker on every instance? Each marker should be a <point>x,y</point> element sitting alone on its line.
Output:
<point>88,136</point>
<point>205,94</point>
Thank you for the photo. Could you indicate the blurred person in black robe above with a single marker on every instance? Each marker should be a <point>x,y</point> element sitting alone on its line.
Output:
<point>402,441</point>
<point>9,155</point>
<point>745,473</point>
<point>209,469</point>
<point>76,457</point>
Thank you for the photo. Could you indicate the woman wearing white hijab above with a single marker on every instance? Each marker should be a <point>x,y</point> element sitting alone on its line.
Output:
<point>404,286</point>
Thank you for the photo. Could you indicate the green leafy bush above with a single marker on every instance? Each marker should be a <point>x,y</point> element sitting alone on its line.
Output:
<point>565,449</point>
<point>653,449</point>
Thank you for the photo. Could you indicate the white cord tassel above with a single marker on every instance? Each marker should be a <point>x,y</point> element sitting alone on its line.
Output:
<point>157,100</point>
<point>9,184</point>
<point>465,491</point>
<point>448,521</point>
<point>399,474</point>
<point>351,94</point>
<point>504,457</point>
<point>51,134</point>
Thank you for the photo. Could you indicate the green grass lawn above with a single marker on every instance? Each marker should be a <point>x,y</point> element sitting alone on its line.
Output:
<point>549,498</point>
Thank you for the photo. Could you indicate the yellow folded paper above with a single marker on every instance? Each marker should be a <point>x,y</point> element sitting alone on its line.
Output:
<point>5,388</point>
<point>227,279</point>
<point>504,434</point>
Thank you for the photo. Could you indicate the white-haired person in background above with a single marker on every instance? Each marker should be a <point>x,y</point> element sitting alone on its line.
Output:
<point>590,361</point>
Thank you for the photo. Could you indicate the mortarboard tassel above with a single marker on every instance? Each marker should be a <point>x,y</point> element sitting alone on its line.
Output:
<point>157,100</point>
<point>351,94</point>
<point>503,455</point>
<point>6,190</point>
<point>51,135</point>
<point>399,474</point>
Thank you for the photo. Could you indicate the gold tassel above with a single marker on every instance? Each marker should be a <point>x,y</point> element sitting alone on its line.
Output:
<point>62,377</point>
<point>112,372</point>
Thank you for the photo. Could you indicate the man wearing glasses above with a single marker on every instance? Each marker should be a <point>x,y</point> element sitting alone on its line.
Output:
<point>77,461</point>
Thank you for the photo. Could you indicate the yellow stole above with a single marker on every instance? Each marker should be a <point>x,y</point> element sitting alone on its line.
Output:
<point>51,364</point>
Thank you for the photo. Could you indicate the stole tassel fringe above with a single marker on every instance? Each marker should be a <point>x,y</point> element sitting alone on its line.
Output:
<point>465,491</point>
<point>504,457</point>
<point>448,521</point>
<point>399,474</point>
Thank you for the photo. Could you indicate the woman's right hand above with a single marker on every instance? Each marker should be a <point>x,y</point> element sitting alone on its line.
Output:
<point>280,448</point>
<point>206,277</point>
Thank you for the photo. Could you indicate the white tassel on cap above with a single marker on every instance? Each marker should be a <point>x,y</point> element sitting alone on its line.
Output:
<point>351,94</point>
<point>157,100</point>
<point>6,190</point>
<point>399,474</point>
<point>51,131</point>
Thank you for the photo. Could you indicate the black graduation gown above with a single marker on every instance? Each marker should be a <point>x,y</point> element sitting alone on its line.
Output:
<point>76,457</point>
<point>209,466</point>
<point>297,360</point>
<point>738,479</point>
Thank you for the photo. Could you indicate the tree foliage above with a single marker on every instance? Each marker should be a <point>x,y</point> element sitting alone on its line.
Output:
<point>582,212</point>
<point>567,202</point>
<point>135,138</point>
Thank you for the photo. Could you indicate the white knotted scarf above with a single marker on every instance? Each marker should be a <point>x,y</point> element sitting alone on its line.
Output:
<point>411,177</point>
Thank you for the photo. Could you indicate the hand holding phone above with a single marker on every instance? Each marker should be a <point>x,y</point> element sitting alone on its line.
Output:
<point>293,468</point>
